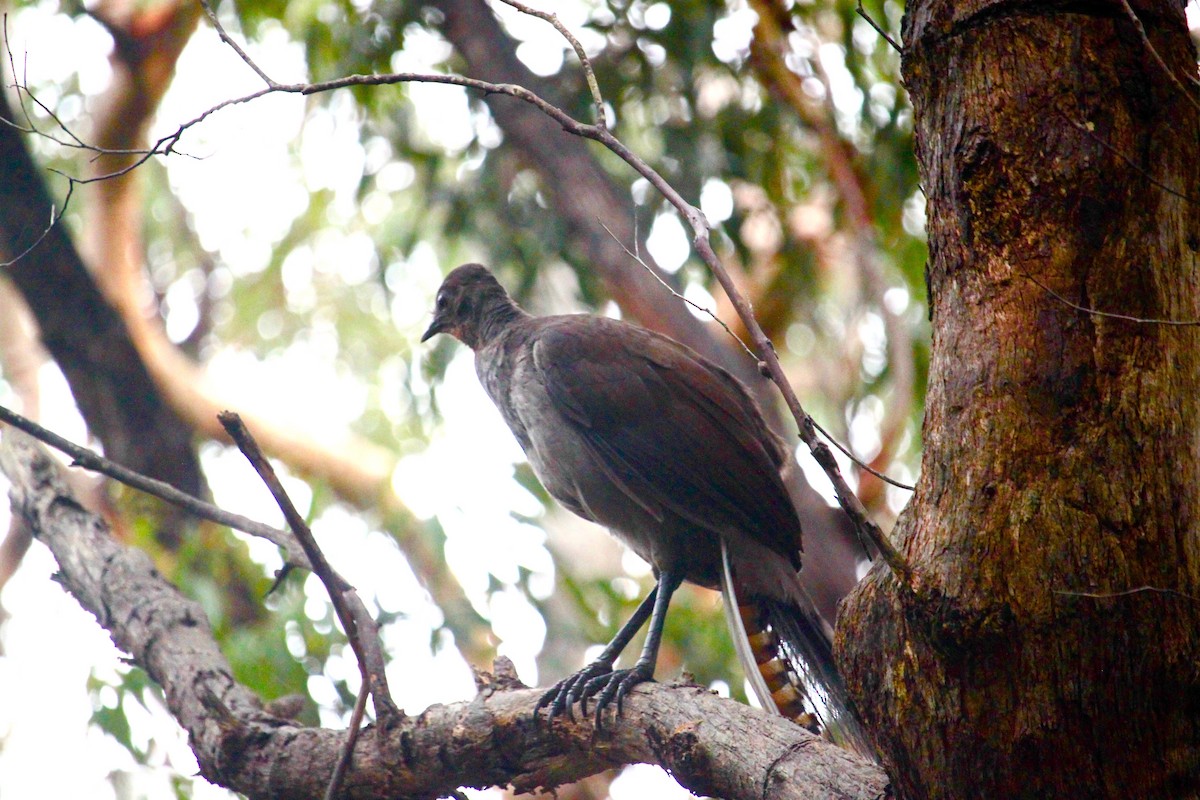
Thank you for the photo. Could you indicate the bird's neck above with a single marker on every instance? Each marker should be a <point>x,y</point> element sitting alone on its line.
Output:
<point>495,317</point>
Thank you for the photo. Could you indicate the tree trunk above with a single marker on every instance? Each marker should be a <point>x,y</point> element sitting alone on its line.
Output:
<point>1049,645</point>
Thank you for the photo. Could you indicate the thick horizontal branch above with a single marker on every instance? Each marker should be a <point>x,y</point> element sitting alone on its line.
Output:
<point>712,745</point>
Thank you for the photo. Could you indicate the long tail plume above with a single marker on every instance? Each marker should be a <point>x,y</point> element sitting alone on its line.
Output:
<point>787,656</point>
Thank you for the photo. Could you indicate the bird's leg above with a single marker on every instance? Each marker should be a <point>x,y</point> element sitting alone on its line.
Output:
<point>564,693</point>
<point>615,685</point>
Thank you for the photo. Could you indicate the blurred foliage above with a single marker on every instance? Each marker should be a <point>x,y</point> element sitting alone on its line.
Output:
<point>697,112</point>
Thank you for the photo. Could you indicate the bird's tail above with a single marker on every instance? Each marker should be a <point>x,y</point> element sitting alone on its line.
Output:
<point>787,655</point>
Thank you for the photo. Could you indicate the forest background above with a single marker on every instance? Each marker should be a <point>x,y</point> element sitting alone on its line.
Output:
<point>282,262</point>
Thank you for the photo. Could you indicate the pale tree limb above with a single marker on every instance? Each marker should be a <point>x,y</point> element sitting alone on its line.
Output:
<point>712,745</point>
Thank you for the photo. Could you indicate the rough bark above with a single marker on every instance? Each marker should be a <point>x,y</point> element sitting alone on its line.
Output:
<point>1050,645</point>
<point>713,746</point>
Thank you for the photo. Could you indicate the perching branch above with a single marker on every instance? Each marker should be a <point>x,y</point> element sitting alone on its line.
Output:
<point>712,745</point>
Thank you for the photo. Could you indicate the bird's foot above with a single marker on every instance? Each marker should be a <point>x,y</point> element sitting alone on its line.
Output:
<point>613,687</point>
<point>564,694</point>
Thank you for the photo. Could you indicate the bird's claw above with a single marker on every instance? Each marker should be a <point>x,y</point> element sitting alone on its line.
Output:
<point>613,687</point>
<point>563,695</point>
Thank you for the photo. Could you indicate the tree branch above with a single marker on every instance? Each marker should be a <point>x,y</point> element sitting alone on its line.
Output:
<point>712,745</point>
<point>361,630</point>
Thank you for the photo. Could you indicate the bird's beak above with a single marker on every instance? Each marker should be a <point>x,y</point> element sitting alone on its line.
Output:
<point>437,326</point>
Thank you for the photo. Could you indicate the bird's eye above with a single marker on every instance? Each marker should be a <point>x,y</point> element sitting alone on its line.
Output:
<point>442,302</point>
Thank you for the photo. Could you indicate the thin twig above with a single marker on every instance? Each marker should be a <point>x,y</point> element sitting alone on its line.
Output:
<point>861,464</point>
<point>1149,178</point>
<point>82,457</point>
<point>1141,31</point>
<point>361,630</point>
<point>584,61</point>
<point>23,91</point>
<point>229,40</point>
<point>654,273</point>
<point>343,763</point>
<point>55,216</point>
<point>1109,314</point>
<point>1127,592</point>
<point>862,12</point>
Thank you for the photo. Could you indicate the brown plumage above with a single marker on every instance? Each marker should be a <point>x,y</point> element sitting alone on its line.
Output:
<point>634,431</point>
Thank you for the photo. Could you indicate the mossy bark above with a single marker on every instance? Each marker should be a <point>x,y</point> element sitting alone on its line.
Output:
<point>1050,644</point>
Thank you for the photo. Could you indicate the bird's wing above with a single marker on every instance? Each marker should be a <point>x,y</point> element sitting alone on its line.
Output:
<point>671,429</point>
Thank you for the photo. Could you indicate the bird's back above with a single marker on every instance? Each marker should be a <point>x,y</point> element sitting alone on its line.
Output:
<point>641,434</point>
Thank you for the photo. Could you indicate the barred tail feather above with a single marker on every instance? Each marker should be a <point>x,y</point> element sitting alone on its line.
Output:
<point>741,637</point>
<point>807,649</point>
<point>787,656</point>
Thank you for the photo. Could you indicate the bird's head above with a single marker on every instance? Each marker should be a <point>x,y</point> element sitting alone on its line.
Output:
<point>470,305</point>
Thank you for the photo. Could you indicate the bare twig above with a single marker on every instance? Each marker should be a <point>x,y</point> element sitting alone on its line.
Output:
<point>165,145</point>
<point>237,48</point>
<point>361,630</point>
<point>642,262</point>
<point>1127,593</point>
<point>82,457</point>
<point>861,464</point>
<point>1187,323</point>
<point>343,763</point>
<point>1141,31</point>
<point>862,12</point>
<point>1129,161</point>
<point>584,61</point>
<point>55,215</point>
